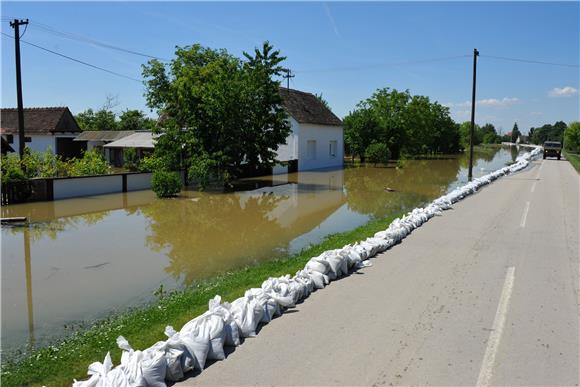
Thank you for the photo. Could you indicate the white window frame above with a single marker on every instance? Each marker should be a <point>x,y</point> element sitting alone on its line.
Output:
<point>332,148</point>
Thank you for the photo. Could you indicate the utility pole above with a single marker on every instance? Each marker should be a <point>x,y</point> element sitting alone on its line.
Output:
<point>21,138</point>
<point>288,76</point>
<point>475,55</point>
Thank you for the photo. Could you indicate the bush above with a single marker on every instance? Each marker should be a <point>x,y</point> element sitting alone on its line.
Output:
<point>378,153</point>
<point>166,184</point>
<point>92,163</point>
<point>152,163</point>
<point>130,159</point>
<point>11,169</point>
<point>200,170</point>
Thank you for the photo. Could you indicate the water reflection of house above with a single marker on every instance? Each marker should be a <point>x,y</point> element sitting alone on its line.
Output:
<point>45,128</point>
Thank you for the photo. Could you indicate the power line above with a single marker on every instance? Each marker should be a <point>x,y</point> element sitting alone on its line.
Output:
<point>76,60</point>
<point>530,61</point>
<point>86,39</point>
<point>381,65</point>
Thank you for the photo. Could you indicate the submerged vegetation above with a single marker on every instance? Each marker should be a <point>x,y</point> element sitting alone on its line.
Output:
<point>60,363</point>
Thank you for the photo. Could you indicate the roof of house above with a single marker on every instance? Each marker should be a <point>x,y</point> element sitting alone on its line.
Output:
<point>136,140</point>
<point>103,135</point>
<point>44,120</point>
<point>306,108</point>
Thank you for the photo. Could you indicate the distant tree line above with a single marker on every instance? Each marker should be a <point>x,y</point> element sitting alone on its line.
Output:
<point>104,118</point>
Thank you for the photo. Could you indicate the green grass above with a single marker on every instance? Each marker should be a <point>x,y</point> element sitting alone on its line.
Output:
<point>57,365</point>
<point>573,159</point>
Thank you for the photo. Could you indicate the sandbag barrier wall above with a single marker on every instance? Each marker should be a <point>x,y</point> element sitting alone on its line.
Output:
<point>225,324</point>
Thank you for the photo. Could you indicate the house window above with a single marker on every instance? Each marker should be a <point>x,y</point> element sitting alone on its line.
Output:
<point>332,149</point>
<point>311,149</point>
<point>10,138</point>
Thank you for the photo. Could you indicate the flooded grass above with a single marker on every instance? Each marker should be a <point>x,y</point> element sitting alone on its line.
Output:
<point>58,364</point>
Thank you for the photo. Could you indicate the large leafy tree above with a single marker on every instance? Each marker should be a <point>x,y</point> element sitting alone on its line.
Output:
<point>572,137</point>
<point>548,132</point>
<point>219,113</point>
<point>407,124</point>
<point>101,119</point>
<point>135,120</point>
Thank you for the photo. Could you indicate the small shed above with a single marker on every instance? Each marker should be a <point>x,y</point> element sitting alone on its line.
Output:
<point>97,139</point>
<point>142,141</point>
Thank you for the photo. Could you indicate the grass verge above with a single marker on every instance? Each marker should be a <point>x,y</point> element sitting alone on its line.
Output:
<point>57,365</point>
<point>573,159</point>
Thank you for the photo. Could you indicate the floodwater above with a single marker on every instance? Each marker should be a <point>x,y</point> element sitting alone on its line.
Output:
<point>82,259</point>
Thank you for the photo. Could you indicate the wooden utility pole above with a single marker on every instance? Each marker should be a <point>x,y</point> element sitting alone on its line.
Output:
<point>288,76</point>
<point>475,55</point>
<point>21,138</point>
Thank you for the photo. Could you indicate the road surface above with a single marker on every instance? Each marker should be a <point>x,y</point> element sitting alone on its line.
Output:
<point>486,294</point>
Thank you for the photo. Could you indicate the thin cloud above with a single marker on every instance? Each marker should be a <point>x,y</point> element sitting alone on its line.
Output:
<point>566,91</point>
<point>331,19</point>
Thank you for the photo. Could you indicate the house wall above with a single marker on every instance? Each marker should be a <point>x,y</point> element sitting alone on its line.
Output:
<point>289,151</point>
<point>322,135</point>
<point>37,143</point>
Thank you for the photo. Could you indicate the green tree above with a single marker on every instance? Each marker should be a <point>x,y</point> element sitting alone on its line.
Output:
<point>101,119</point>
<point>515,133</point>
<point>135,120</point>
<point>465,134</point>
<point>360,129</point>
<point>322,100</point>
<point>572,137</point>
<point>378,153</point>
<point>218,108</point>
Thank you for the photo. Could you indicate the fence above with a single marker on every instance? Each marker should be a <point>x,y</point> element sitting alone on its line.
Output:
<point>54,188</point>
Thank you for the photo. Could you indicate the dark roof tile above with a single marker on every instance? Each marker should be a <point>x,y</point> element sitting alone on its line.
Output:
<point>43,120</point>
<point>306,108</point>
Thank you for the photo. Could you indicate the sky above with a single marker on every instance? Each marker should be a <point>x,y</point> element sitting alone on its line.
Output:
<point>342,50</point>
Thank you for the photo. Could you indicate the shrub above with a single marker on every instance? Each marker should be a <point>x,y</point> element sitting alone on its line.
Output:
<point>92,163</point>
<point>152,163</point>
<point>130,159</point>
<point>166,184</point>
<point>200,170</point>
<point>572,137</point>
<point>378,153</point>
<point>11,169</point>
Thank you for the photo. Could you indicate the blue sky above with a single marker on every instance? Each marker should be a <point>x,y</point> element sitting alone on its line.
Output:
<point>340,49</point>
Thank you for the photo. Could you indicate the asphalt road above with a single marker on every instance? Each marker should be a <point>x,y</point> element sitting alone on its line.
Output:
<point>486,294</point>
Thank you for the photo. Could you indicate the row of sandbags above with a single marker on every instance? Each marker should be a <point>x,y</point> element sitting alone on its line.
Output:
<point>226,324</point>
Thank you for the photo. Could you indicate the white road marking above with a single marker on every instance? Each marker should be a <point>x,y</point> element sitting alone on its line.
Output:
<point>525,215</point>
<point>486,371</point>
<point>533,187</point>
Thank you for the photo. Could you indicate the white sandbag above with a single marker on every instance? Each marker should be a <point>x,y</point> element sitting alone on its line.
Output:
<point>154,367</point>
<point>269,306</point>
<point>197,344</point>
<point>131,363</point>
<point>230,326</point>
<point>210,326</point>
<point>103,375</point>
<point>279,291</point>
<point>320,280</point>
<point>318,264</point>
<point>338,263</point>
<point>247,312</point>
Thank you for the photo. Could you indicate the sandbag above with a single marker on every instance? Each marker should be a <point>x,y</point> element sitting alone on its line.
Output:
<point>247,312</point>
<point>131,363</point>
<point>197,344</point>
<point>230,326</point>
<point>210,326</point>
<point>103,375</point>
<point>269,306</point>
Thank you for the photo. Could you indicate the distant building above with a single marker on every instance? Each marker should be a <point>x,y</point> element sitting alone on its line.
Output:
<point>44,128</point>
<point>317,139</point>
<point>142,141</point>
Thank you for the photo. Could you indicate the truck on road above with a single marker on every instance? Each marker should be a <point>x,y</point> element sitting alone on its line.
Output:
<point>553,149</point>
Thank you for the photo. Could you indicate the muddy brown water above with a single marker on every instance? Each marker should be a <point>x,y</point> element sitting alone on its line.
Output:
<point>82,259</point>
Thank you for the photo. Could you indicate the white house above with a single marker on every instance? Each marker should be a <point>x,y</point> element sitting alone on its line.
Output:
<point>44,128</point>
<point>317,138</point>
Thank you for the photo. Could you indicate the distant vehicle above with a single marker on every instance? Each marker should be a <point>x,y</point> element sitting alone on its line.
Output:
<point>552,149</point>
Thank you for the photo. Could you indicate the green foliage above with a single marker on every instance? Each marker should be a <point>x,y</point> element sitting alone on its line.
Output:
<point>572,137</point>
<point>378,153</point>
<point>465,133</point>
<point>92,163</point>
<point>135,120</point>
<point>547,132</point>
<point>322,100</point>
<point>216,105</point>
<point>407,124</point>
<point>200,170</point>
<point>152,163</point>
<point>515,133</point>
<point>573,159</point>
<point>102,119</point>
<point>11,169</point>
<point>130,159</point>
<point>166,183</point>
